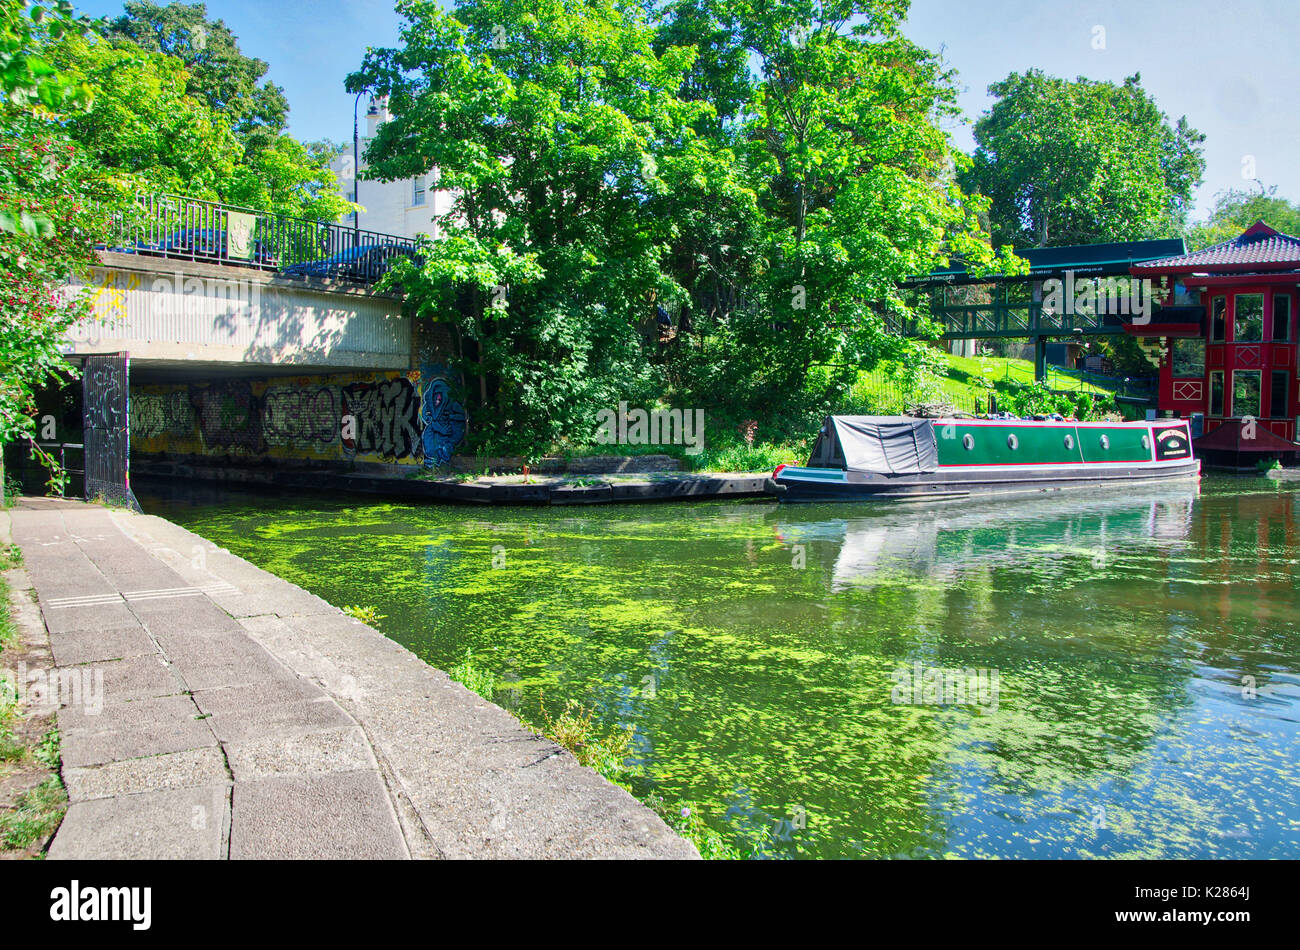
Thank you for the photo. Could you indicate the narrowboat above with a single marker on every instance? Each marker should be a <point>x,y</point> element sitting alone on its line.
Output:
<point>887,458</point>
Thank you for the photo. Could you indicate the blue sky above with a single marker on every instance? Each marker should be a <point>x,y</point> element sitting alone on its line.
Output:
<point>1230,66</point>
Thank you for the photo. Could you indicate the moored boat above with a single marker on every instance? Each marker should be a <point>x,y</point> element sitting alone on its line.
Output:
<point>879,458</point>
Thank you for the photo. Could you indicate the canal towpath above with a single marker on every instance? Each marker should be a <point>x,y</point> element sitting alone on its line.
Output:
<point>208,709</point>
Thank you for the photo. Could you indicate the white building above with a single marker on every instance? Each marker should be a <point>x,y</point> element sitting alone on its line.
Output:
<point>406,207</point>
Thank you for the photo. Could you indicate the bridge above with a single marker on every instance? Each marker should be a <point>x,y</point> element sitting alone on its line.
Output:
<point>981,307</point>
<point>223,331</point>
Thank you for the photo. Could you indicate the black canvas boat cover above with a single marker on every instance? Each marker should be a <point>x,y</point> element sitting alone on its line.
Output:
<point>885,445</point>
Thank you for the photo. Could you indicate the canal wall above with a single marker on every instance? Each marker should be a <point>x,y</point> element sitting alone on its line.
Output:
<point>239,716</point>
<point>407,418</point>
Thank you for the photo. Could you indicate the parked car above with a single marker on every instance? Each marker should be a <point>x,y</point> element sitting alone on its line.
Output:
<point>365,263</point>
<point>200,243</point>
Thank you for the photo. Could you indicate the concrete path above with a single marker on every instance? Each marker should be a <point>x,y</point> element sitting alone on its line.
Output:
<point>243,717</point>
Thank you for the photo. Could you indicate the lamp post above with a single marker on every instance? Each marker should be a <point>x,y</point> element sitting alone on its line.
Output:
<point>356,172</point>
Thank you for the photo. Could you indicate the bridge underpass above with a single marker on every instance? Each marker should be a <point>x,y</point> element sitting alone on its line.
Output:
<point>240,366</point>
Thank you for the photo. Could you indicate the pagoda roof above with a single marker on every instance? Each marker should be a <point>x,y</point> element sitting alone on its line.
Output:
<point>1258,248</point>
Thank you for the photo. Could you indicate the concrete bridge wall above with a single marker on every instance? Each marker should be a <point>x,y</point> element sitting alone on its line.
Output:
<point>169,312</point>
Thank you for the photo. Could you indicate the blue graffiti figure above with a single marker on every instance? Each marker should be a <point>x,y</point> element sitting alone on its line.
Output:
<point>443,422</point>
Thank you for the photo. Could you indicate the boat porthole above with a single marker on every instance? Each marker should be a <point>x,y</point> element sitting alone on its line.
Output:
<point>1069,441</point>
<point>968,441</point>
<point>1105,441</point>
<point>1012,442</point>
<point>1146,441</point>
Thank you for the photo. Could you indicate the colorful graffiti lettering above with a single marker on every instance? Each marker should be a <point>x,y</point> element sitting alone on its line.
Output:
<point>154,414</point>
<point>386,416</point>
<point>229,416</point>
<point>299,417</point>
<point>443,420</point>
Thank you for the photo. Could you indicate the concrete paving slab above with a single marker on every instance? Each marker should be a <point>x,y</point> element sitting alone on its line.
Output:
<point>341,816</point>
<point>139,677</point>
<point>336,750</point>
<point>191,768</point>
<point>132,730</point>
<point>181,824</point>
<point>280,720</point>
<point>69,619</point>
<point>73,647</point>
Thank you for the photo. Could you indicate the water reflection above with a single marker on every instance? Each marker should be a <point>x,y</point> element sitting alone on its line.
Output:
<point>1146,647</point>
<point>942,541</point>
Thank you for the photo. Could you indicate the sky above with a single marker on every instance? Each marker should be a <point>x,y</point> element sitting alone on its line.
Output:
<point>1230,66</point>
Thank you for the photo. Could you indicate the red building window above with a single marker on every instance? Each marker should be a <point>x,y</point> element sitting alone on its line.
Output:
<point>1218,319</point>
<point>1281,318</point>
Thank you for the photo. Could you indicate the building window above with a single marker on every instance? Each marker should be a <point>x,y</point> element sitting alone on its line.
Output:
<point>417,191</point>
<point>1188,358</point>
<point>1216,393</point>
<point>1218,308</point>
<point>1278,406</point>
<point>1281,317</point>
<point>1248,318</point>
<point>1245,393</point>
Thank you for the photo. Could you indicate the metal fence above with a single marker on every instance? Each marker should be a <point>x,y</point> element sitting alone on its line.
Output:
<point>174,226</point>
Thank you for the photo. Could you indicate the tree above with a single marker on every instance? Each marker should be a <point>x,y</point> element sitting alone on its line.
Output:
<point>53,205</point>
<point>856,190</point>
<point>231,83</point>
<point>602,160</point>
<point>1236,210</point>
<point>1082,162</point>
<point>148,127</point>
<point>555,125</point>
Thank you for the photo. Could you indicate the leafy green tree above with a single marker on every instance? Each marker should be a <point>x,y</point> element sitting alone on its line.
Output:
<point>53,205</point>
<point>1081,162</point>
<point>231,83</point>
<point>556,126</point>
<point>855,187</point>
<point>148,127</point>
<point>763,169</point>
<point>1236,210</point>
<point>144,125</point>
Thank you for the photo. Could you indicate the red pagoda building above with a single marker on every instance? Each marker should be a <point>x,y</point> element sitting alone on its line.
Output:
<point>1225,333</point>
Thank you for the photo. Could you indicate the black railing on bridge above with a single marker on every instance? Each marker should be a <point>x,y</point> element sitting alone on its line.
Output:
<point>192,229</point>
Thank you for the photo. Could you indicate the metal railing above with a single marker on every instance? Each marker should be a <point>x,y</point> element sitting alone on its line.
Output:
<point>174,226</point>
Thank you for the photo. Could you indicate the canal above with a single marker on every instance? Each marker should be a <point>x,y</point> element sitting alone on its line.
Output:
<point>1114,674</point>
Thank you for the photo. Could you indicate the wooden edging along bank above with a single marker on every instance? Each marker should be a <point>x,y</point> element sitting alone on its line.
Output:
<point>537,490</point>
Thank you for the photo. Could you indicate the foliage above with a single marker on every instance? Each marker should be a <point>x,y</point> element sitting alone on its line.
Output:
<point>151,128</point>
<point>53,205</point>
<point>1081,162</point>
<point>686,819</point>
<point>473,678</point>
<point>229,82</point>
<point>35,816</point>
<point>759,172</point>
<point>575,729</point>
<point>1236,210</point>
<point>367,615</point>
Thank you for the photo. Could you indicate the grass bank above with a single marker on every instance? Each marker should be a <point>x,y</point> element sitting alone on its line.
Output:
<point>32,797</point>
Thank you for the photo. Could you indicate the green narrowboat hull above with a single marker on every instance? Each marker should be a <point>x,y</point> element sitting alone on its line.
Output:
<point>957,458</point>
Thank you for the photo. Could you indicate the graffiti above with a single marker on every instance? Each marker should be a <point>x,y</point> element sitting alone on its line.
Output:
<point>155,414</point>
<point>387,416</point>
<point>300,417</point>
<point>443,420</point>
<point>104,426</point>
<point>228,416</point>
